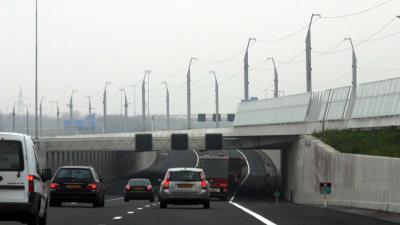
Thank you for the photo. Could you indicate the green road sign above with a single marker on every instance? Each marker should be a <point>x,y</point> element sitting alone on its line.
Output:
<point>325,188</point>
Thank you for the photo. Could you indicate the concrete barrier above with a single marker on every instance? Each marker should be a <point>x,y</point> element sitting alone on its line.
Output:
<point>361,181</point>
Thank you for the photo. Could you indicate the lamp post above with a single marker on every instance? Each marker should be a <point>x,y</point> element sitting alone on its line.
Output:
<point>216,100</point>
<point>143,104</point>
<point>354,68</point>
<point>167,103</point>
<point>36,72</point>
<point>41,116</point>
<point>90,114</point>
<point>276,90</point>
<point>308,54</point>
<point>1,121</point>
<point>105,107</point>
<point>71,108</point>
<point>13,118</point>
<point>27,120</point>
<point>246,70</point>
<point>126,110</point>
<point>188,94</point>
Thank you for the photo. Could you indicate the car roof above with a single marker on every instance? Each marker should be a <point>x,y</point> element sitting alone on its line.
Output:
<point>185,169</point>
<point>12,136</point>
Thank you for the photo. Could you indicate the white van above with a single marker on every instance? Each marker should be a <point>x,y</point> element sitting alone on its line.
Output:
<point>23,197</point>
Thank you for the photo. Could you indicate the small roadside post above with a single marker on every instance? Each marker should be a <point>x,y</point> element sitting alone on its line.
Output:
<point>277,194</point>
<point>325,189</point>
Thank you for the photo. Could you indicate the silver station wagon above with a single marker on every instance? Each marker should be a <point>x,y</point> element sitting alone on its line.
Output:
<point>184,186</point>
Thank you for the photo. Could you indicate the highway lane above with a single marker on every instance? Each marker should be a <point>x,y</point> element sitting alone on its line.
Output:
<point>250,195</point>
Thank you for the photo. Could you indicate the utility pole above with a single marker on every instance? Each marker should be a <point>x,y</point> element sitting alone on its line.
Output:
<point>126,111</point>
<point>41,116</point>
<point>216,100</point>
<point>36,72</point>
<point>105,107</point>
<point>276,90</point>
<point>188,95</point>
<point>134,101</point>
<point>90,115</point>
<point>308,54</point>
<point>144,102</point>
<point>246,70</point>
<point>167,102</point>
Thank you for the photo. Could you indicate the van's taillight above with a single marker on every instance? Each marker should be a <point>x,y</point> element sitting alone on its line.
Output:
<point>92,186</point>
<point>54,186</point>
<point>165,184</point>
<point>31,183</point>
<point>149,188</point>
<point>203,184</point>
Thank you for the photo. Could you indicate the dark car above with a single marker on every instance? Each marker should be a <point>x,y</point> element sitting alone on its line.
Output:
<point>77,184</point>
<point>139,189</point>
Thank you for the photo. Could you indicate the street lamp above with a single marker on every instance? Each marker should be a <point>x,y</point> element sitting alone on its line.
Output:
<point>146,73</point>
<point>246,70</point>
<point>308,53</point>
<point>354,67</point>
<point>71,108</point>
<point>167,102</point>
<point>188,94</point>
<point>27,119</point>
<point>276,90</point>
<point>216,100</point>
<point>41,116</point>
<point>105,107</point>
<point>36,72</point>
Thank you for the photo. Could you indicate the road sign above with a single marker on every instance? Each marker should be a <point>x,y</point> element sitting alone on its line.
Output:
<point>325,188</point>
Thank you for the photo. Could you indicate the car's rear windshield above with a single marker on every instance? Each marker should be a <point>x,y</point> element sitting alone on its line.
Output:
<point>139,182</point>
<point>11,157</point>
<point>74,174</point>
<point>184,176</point>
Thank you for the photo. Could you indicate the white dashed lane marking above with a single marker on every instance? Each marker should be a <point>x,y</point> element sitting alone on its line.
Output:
<point>117,218</point>
<point>130,212</point>
<point>139,208</point>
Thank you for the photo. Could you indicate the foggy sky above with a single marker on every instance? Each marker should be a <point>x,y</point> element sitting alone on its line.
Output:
<point>84,43</point>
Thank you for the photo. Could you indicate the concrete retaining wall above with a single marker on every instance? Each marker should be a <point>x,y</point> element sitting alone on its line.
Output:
<point>358,181</point>
<point>108,164</point>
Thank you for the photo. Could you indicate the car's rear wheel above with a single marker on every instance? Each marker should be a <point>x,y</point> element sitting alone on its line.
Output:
<point>126,199</point>
<point>151,198</point>
<point>163,205</point>
<point>34,220</point>
<point>98,203</point>
<point>43,219</point>
<point>206,204</point>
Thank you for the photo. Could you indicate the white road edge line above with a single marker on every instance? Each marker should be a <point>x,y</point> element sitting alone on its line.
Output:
<point>113,199</point>
<point>197,158</point>
<point>255,215</point>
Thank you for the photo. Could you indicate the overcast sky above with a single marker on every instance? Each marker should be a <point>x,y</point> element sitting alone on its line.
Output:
<point>84,43</point>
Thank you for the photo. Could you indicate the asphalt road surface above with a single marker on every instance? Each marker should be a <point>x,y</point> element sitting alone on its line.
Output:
<point>251,204</point>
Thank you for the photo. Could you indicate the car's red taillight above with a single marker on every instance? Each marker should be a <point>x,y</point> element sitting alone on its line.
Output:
<point>92,186</point>
<point>31,183</point>
<point>149,188</point>
<point>223,185</point>
<point>128,187</point>
<point>165,184</point>
<point>203,184</point>
<point>54,186</point>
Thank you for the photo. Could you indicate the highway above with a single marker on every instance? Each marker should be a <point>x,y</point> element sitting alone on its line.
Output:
<point>251,204</point>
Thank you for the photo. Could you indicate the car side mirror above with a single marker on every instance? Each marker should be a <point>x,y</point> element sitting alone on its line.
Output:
<point>46,174</point>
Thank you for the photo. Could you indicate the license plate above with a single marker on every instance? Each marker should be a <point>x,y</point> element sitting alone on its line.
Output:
<point>138,189</point>
<point>73,186</point>
<point>214,189</point>
<point>185,185</point>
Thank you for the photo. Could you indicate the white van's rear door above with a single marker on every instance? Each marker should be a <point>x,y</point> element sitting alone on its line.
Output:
<point>13,172</point>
